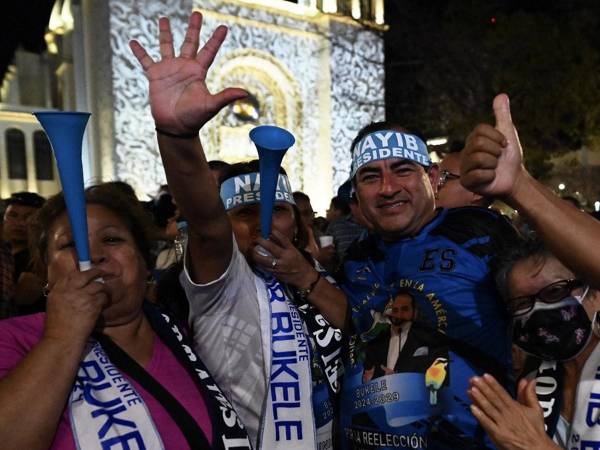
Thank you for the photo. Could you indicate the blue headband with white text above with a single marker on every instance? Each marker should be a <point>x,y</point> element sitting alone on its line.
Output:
<point>387,144</point>
<point>245,190</point>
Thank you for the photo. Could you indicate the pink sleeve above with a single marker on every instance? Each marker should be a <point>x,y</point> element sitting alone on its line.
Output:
<point>18,336</point>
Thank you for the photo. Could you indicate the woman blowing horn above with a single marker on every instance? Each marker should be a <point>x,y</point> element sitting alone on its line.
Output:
<point>102,368</point>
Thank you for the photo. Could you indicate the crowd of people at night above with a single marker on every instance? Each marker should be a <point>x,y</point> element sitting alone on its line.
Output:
<point>414,315</point>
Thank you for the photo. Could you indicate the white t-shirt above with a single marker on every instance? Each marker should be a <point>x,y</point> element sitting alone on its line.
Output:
<point>225,318</point>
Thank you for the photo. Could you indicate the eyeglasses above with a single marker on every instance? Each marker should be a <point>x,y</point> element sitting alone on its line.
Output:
<point>552,293</point>
<point>446,176</point>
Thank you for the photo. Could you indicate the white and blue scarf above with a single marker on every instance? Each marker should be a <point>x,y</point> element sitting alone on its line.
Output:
<point>288,421</point>
<point>106,411</point>
<point>585,429</point>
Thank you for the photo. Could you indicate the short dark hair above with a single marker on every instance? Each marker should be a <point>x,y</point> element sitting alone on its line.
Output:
<point>523,248</point>
<point>298,195</point>
<point>217,164</point>
<point>30,199</point>
<point>163,209</point>
<point>122,186</point>
<point>405,293</point>
<point>345,191</point>
<point>456,145</point>
<point>241,168</point>
<point>413,301</point>
<point>137,220</point>
<point>340,204</point>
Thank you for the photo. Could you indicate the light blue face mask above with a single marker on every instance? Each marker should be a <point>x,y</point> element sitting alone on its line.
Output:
<point>554,331</point>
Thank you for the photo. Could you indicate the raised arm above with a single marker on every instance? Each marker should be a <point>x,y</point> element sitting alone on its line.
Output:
<point>181,105</point>
<point>492,164</point>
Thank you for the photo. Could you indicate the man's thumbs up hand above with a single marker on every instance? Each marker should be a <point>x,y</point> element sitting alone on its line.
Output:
<point>492,162</point>
<point>502,113</point>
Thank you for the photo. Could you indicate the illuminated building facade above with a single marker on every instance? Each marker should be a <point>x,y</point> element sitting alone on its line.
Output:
<point>313,67</point>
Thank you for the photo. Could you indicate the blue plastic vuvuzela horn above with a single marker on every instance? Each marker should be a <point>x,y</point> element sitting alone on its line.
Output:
<point>65,132</point>
<point>272,143</point>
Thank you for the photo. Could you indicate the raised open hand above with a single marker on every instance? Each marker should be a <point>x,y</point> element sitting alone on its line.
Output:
<point>492,162</point>
<point>511,424</point>
<point>179,99</point>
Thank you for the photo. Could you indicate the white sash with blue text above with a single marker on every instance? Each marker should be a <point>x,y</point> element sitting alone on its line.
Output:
<point>585,429</point>
<point>106,411</point>
<point>288,421</point>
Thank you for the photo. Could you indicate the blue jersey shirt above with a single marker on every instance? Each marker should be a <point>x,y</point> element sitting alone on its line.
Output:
<point>427,317</point>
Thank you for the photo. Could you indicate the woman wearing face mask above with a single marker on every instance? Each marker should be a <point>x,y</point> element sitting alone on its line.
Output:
<point>554,322</point>
<point>252,330</point>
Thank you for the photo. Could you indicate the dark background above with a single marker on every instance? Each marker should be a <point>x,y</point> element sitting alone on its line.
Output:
<point>445,61</point>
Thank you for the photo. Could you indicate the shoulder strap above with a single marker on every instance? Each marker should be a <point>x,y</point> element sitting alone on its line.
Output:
<point>228,431</point>
<point>187,424</point>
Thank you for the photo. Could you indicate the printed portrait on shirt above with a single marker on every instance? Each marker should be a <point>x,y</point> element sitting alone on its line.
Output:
<point>401,342</point>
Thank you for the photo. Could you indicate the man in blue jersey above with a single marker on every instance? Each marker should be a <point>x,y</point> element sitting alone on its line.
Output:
<point>441,258</point>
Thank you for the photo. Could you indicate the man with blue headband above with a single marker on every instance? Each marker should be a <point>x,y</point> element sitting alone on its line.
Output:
<point>274,355</point>
<point>440,258</point>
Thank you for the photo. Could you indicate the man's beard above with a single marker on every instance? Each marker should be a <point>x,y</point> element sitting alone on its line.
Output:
<point>398,322</point>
